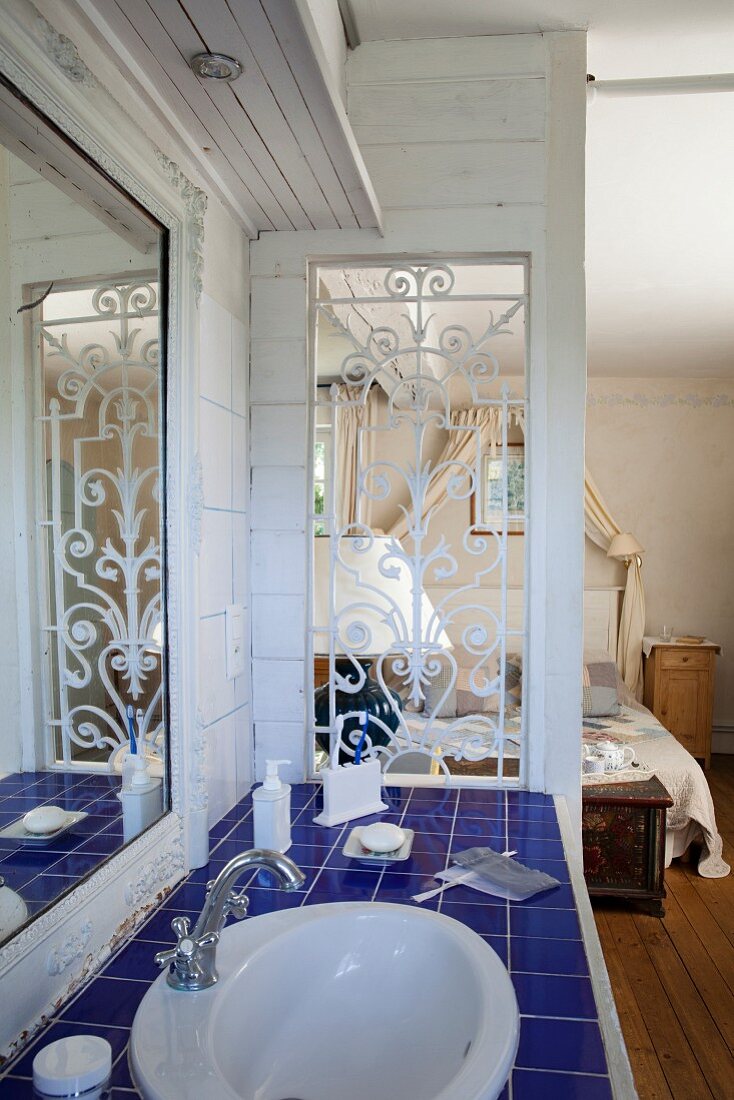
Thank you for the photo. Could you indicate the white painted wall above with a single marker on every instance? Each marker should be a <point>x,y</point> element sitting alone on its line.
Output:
<point>662,453</point>
<point>224,705</point>
<point>499,169</point>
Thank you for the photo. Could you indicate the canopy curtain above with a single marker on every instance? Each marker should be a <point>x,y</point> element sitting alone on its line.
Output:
<point>349,420</point>
<point>461,447</point>
<point>599,525</point>
<point>601,528</point>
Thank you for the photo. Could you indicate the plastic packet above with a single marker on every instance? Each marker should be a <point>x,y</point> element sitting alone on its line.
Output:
<point>496,874</point>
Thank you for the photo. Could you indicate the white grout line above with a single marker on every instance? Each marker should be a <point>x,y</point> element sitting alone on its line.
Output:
<point>618,1064</point>
<point>447,863</point>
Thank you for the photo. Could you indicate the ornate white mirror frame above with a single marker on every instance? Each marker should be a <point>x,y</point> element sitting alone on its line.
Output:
<point>49,958</point>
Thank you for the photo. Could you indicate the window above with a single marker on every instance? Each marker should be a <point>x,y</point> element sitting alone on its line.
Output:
<point>321,475</point>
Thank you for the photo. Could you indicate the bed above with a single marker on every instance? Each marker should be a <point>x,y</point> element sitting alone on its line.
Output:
<point>691,817</point>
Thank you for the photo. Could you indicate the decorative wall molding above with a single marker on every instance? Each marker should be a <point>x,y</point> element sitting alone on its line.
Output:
<point>52,917</point>
<point>198,791</point>
<point>155,873</point>
<point>70,950</point>
<point>196,502</point>
<point>65,55</point>
<point>663,400</point>
<point>195,201</point>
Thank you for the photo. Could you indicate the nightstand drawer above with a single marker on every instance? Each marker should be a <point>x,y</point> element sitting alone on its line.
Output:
<point>683,658</point>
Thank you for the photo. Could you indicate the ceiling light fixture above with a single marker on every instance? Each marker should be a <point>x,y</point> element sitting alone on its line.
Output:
<point>216,66</point>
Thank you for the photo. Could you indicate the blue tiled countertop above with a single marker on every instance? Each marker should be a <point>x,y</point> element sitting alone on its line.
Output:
<point>561,1053</point>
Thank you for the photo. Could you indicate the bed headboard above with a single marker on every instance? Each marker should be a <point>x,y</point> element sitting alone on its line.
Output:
<point>601,618</point>
<point>601,613</point>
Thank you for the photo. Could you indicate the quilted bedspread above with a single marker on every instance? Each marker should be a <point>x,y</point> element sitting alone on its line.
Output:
<point>676,769</point>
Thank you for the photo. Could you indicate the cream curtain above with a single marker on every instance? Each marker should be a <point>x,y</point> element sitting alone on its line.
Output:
<point>601,529</point>
<point>349,420</point>
<point>462,448</point>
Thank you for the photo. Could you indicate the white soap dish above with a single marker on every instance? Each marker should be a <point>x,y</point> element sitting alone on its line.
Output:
<point>354,849</point>
<point>18,831</point>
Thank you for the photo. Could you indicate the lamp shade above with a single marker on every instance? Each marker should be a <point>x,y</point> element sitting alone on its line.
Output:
<point>373,589</point>
<point>624,546</point>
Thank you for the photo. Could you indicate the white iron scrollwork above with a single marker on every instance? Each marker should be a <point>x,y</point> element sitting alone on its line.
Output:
<point>423,344</point>
<point>101,435</point>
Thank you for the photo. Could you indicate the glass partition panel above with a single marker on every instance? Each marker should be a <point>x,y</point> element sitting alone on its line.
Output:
<point>419,516</point>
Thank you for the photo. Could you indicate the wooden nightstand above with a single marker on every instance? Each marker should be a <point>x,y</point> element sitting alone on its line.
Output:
<point>679,690</point>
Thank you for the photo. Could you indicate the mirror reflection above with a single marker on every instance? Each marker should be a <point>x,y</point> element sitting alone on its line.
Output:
<point>82,665</point>
<point>419,517</point>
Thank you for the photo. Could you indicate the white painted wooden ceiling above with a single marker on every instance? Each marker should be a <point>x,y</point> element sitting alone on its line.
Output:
<point>660,201</point>
<point>274,142</point>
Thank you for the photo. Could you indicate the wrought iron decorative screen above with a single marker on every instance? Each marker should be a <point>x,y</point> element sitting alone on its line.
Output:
<point>97,346</point>
<point>419,372</point>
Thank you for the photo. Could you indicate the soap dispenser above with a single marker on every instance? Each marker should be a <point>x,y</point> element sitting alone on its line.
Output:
<point>271,809</point>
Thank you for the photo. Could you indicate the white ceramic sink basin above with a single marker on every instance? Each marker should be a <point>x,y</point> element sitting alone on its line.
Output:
<point>347,1001</point>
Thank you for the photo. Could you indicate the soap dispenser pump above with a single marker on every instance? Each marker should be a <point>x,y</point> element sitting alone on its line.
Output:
<point>271,809</point>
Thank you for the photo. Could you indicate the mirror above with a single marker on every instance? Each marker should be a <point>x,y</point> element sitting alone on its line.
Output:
<point>83,753</point>
<point>419,516</point>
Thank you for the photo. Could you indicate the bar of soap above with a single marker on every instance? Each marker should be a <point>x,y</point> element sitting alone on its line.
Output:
<point>44,819</point>
<point>382,837</point>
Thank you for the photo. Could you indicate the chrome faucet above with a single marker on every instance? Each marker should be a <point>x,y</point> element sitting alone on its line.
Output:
<point>192,962</point>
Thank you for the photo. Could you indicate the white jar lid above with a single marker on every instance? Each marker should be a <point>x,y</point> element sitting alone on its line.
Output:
<point>72,1065</point>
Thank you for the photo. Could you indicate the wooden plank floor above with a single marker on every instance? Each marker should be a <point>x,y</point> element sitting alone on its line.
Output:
<point>673,979</point>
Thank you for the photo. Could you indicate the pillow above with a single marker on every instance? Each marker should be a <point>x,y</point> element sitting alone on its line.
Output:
<point>468,702</point>
<point>600,696</point>
<point>435,690</point>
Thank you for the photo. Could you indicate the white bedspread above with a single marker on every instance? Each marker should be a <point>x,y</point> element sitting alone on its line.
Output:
<point>686,783</point>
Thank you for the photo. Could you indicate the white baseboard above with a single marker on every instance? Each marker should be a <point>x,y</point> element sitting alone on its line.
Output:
<point>722,739</point>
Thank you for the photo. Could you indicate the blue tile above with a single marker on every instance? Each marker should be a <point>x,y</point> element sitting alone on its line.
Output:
<point>470,815</point>
<point>528,798</point>
<point>271,901</point>
<point>158,928</point>
<point>440,805</point>
<point>102,844</point>
<point>77,863</point>
<point>347,885</point>
<point>48,887</point>
<point>549,995</point>
<point>435,843</point>
<point>528,1085</point>
<point>220,830</point>
<point>546,814</point>
<point>570,1045</point>
<point>473,796</point>
<point>16,1088</point>
<point>552,924</point>
<point>134,961</point>
<point>536,848</point>
<point>473,831</point>
<point>121,1077</point>
<point>428,823</point>
<point>558,868</point>
<point>498,945</point>
<point>558,897</point>
<point>189,895</point>
<point>399,887</point>
<point>543,956</point>
<point>534,830</point>
<point>487,920</point>
<point>107,1001</point>
<point>316,834</point>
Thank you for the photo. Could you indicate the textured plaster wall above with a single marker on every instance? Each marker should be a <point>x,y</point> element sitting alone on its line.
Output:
<point>662,454</point>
